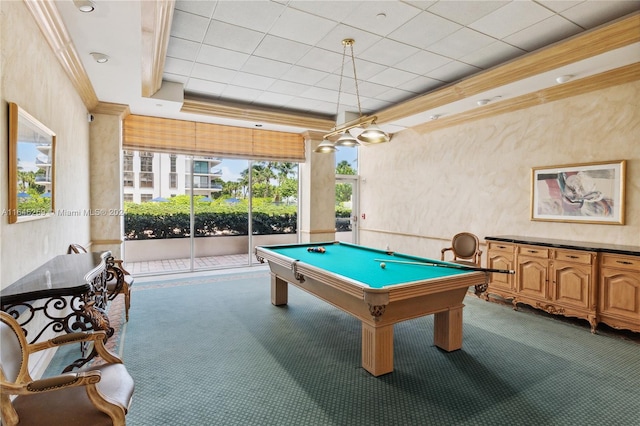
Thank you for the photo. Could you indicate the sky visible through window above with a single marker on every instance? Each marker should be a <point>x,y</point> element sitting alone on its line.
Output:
<point>232,168</point>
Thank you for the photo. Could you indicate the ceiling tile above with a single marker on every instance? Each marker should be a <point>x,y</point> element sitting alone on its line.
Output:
<point>461,43</point>
<point>266,67</point>
<point>301,27</point>
<point>287,87</point>
<point>211,73</point>
<point>336,11</point>
<point>256,15</point>
<point>363,39</point>
<point>303,75</point>
<point>543,33</point>
<point>177,66</point>
<point>465,12</point>
<point>270,98</point>
<point>420,84</point>
<point>453,71</point>
<point>395,95</point>
<point>422,62</point>
<point>559,6</point>
<point>281,49</point>
<point>232,37</point>
<point>252,81</point>
<point>323,60</point>
<point>189,26</point>
<point>492,54</point>
<point>240,94</point>
<point>208,88</point>
<point>392,77</point>
<point>212,55</point>
<point>511,18</point>
<point>388,52</point>
<point>202,8</point>
<point>424,30</point>
<point>183,49</point>
<point>367,16</point>
<point>321,94</point>
<point>590,14</point>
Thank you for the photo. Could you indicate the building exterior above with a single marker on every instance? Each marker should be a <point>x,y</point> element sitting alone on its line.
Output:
<point>149,176</point>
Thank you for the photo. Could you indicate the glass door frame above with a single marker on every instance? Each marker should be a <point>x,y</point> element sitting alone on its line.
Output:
<point>354,181</point>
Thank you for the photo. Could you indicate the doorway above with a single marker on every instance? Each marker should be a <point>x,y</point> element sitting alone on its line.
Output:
<point>347,191</point>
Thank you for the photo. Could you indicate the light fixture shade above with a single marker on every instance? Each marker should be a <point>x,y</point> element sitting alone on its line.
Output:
<point>373,134</point>
<point>347,139</point>
<point>326,146</point>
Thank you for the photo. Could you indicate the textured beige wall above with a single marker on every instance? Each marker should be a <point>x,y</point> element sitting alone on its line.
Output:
<point>32,78</point>
<point>421,189</point>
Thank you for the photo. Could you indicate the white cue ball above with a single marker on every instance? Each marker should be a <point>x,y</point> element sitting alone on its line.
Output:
<point>383,265</point>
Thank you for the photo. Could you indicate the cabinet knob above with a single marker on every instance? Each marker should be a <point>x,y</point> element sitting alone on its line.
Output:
<point>571,256</point>
<point>624,262</point>
<point>532,251</point>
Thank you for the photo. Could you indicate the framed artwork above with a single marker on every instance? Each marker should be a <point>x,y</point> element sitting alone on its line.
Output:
<point>587,193</point>
<point>31,167</point>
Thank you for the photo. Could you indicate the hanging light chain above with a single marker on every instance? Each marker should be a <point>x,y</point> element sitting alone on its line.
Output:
<point>349,42</point>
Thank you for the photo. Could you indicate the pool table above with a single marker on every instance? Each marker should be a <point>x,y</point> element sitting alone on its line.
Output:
<point>351,278</point>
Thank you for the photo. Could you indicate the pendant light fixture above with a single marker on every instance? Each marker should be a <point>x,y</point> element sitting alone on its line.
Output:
<point>370,132</point>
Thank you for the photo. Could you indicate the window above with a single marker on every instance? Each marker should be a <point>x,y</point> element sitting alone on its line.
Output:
<point>201,167</point>
<point>146,161</point>
<point>146,197</point>
<point>127,178</point>
<point>173,180</point>
<point>173,158</point>
<point>146,180</point>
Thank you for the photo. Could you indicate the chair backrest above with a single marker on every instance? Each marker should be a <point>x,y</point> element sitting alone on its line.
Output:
<point>13,351</point>
<point>465,245</point>
<point>76,248</point>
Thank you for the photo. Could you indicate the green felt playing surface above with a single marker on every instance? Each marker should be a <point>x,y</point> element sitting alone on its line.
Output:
<point>358,263</point>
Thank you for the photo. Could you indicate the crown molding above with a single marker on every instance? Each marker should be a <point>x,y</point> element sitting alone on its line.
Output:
<point>108,108</point>
<point>242,112</point>
<point>156,30</point>
<point>620,33</point>
<point>48,19</point>
<point>600,81</point>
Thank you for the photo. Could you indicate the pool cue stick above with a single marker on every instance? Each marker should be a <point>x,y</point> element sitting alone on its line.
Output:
<point>447,265</point>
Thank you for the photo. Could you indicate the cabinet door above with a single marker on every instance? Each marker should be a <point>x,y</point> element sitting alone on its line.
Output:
<point>572,285</point>
<point>619,291</point>
<point>501,256</point>
<point>533,277</point>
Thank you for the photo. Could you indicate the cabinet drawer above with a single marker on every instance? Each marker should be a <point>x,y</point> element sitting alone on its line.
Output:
<point>620,261</point>
<point>534,251</point>
<point>501,247</point>
<point>583,257</point>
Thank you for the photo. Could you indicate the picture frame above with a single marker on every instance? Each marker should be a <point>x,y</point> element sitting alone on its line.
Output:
<point>583,193</point>
<point>31,167</point>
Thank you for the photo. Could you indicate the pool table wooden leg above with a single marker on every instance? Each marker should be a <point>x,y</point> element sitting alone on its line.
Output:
<point>377,349</point>
<point>279,291</point>
<point>447,329</point>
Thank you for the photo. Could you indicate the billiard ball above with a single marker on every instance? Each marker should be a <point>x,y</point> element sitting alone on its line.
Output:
<point>383,265</point>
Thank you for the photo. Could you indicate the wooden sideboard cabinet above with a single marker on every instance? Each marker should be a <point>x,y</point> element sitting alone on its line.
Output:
<point>619,292</point>
<point>583,280</point>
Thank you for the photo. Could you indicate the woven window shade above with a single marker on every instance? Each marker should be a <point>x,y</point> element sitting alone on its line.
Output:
<point>156,134</point>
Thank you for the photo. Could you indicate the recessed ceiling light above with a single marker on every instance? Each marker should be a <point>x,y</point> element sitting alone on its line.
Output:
<point>483,102</point>
<point>85,6</point>
<point>563,79</point>
<point>100,58</point>
<point>381,15</point>
<point>258,125</point>
<point>434,117</point>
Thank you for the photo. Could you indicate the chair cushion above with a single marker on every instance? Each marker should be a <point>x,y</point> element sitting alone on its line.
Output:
<point>72,406</point>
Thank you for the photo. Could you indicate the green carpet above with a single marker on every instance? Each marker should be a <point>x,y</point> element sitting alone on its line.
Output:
<point>214,351</point>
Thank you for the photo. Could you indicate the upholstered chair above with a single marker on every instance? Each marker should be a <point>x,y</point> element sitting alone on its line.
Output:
<point>99,395</point>
<point>465,249</point>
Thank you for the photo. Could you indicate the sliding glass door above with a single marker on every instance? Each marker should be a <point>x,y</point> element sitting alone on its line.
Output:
<point>188,213</point>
